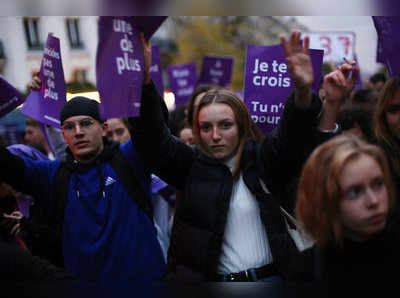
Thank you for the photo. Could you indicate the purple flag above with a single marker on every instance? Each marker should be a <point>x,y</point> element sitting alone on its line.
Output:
<point>388,28</point>
<point>216,70</point>
<point>10,98</point>
<point>182,81</point>
<point>156,71</point>
<point>268,83</point>
<point>119,67</point>
<point>148,24</point>
<point>45,105</point>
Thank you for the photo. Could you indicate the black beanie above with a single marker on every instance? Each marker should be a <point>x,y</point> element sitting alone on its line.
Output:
<point>80,106</point>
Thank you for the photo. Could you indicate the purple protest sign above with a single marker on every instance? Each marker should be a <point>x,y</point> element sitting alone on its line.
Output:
<point>182,81</point>
<point>268,83</point>
<point>148,24</point>
<point>216,70</point>
<point>387,28</point>
<point>156,71</point>
<point>10,98</point>
<point>119,65</point>
<point>45,105</point>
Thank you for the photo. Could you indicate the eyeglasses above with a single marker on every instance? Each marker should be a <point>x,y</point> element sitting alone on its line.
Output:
<point>84,124</point>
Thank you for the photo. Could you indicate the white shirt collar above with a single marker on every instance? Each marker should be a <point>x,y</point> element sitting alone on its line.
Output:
<point>230,163</point>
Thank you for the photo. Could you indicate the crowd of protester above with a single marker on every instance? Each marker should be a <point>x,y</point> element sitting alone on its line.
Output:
<point>197,194</point>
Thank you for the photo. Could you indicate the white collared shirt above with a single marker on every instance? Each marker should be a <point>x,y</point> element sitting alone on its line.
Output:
<point>245,244</point>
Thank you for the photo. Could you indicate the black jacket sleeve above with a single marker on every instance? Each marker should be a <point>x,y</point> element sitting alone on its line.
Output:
<point>43,241</point>
<point>163,154</point>
<point>16,264</point>
<point>284,152</point>
<point>13,168</point>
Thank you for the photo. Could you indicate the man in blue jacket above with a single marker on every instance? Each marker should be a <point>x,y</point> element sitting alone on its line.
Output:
<point>106,234</point>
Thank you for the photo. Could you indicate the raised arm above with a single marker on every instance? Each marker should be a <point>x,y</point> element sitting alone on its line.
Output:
<point>26,175</point>
<point>337,86</point>
<point>166,156</point>
<point>300,67</point>
<point>286,148</point>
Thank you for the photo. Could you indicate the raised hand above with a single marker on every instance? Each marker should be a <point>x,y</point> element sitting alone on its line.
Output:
<point>339,83</point>
<point>11,222</point>
<point>337,86</point>
<point>298,60</point>
<point>34,85</point>
<point>146,58</point>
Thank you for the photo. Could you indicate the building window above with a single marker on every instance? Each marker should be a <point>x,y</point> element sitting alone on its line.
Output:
<point>73,33</point>
<point>31,26</point>
<point>2,53</point>
<point>79,75</point>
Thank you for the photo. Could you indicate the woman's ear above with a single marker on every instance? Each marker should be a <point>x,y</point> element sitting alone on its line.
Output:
<point>105,128</point>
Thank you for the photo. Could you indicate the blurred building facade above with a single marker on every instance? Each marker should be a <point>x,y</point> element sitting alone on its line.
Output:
<point>22,40</point>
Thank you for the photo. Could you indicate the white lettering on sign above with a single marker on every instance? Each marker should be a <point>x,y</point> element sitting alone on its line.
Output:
<point>122,26</point>
<point>176,73</point>
<point>276,80</point>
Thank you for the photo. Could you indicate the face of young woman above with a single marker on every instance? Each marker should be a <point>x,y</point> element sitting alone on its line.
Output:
<point>393,115</point>
<point>218,130</point>
<point>364,204</point>
<point>186,135</point>
<point>117,131</point>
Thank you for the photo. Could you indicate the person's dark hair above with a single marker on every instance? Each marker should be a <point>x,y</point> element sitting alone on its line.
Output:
<point>32,122</point>
<point>184,124</point>
<point>361,96</point>
<point>202,88</point>
<point>382,132</point>
<point>356,117</point>
<point>378,77</point>
<point>125,121</point>
<point>175,119</point>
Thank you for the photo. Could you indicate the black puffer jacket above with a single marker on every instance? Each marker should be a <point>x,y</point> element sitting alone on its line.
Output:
<point>200,217</point>
<point>17,264</point>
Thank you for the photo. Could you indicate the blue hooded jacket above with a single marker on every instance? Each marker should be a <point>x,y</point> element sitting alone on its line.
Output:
<point>105,235</point>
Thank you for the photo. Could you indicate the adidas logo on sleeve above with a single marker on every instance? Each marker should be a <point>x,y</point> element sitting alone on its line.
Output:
<point>110,181</point>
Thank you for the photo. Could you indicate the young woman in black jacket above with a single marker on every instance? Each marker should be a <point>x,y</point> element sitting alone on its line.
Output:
<point>347,214</point>
<point>226,227</point>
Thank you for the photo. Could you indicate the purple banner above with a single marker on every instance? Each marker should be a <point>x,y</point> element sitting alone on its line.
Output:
<point>388,28</point>
<point>216,70</point>
<point>10,98</point>
<point>156,71</point>
<point>268,83</point>
<point>45,105</point>
<point>119,67</point>
<point>182,81</point>
<point>148,24</point>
